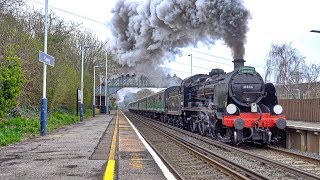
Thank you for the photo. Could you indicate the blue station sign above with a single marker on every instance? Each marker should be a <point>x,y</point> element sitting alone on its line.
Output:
<point>46,58</point>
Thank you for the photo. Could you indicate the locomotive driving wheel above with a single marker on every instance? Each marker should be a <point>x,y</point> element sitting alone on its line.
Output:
<point>212,133</point>
<point>175,122</point>
<point>213,127</point>
<point>202,128</point>
<point>203,119</point>
<point>193,126</point>
<point>211,130</point>
<point>165,119</point>
<point>181,122</point>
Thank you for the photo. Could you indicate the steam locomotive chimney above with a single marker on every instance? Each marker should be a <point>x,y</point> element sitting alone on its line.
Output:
<point>238,63</point>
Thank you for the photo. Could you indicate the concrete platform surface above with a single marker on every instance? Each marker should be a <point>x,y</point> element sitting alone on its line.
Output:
<point>303,125</point>
<point>135,161</point>
<point>63,154</point>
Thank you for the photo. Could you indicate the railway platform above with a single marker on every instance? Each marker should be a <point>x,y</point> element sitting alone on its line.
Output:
<point>136,158</point>
<point>304,136</point>
<point>62,154</point>
<point>103,147</point>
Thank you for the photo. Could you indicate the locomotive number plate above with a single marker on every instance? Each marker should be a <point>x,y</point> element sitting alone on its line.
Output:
<point>247,87</point>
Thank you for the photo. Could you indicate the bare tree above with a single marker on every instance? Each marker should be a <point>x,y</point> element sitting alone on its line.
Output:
<point>286,67</point>
<point>7,4</point>
<point>311,75</point>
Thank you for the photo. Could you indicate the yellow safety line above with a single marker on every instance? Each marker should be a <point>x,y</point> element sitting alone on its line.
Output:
<point>109,173</point>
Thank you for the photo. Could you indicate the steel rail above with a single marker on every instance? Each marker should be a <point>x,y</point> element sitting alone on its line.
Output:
<point>167,163</point>
<point>307,175</point>
<point>307,158</point>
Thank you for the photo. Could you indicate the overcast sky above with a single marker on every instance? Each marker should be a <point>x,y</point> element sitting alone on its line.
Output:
<point>272,21</point>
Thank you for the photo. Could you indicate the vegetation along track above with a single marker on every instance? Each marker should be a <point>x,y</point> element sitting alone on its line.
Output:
<point>243,161</point>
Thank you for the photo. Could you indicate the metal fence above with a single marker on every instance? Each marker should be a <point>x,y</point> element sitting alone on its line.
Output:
<point>307,110</point>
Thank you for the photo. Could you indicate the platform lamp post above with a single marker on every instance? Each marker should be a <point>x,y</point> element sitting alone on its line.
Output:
<point>315,31</point>
<point>44,101</point>
<point>191,61</point>
<point>106,85</point>
<point>100,106</point>
<point>298,93</point>
<point>94,91</point>
<point>82,62</point>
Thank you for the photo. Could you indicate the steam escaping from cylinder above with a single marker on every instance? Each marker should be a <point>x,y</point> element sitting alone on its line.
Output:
<point>148,32</point>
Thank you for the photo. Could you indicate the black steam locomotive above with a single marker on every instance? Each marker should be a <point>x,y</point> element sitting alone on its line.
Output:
<point>235,107</point>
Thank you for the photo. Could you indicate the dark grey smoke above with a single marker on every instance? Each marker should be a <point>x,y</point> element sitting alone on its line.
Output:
<point>146,33</point>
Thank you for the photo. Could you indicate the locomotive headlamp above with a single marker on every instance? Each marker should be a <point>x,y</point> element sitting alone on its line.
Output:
<point>231,109</point>
<point>254,107</point>
<point>277,109</point>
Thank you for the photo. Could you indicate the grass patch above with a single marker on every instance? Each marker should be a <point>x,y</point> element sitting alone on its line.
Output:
<point>58,119</point>
<point>14,130</point>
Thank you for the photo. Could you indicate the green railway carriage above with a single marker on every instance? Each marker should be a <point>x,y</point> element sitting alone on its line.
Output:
<point>158,104</point>
<point>133,106</point>
<point>152,105</point>
<point>174,101</point>
<point>142,104</point>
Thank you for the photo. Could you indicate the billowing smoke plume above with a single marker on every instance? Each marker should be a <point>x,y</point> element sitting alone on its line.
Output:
<point>146,33</point>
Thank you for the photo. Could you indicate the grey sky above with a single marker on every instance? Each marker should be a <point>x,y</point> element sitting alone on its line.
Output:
<point>272,21</point>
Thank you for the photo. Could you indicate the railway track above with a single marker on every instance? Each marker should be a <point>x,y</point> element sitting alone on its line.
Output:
<point>186,160</point>
<point>250,165</point>
<point>304,163</point>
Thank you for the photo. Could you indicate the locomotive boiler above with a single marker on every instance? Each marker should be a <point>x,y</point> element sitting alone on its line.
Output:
<point>232,107</point>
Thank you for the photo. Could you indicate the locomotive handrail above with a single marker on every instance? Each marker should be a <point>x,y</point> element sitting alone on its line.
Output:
<point>247,82</point>
<point>254,92</point>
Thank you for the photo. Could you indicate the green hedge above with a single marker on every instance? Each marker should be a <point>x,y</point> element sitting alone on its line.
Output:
<point>16,129</point>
